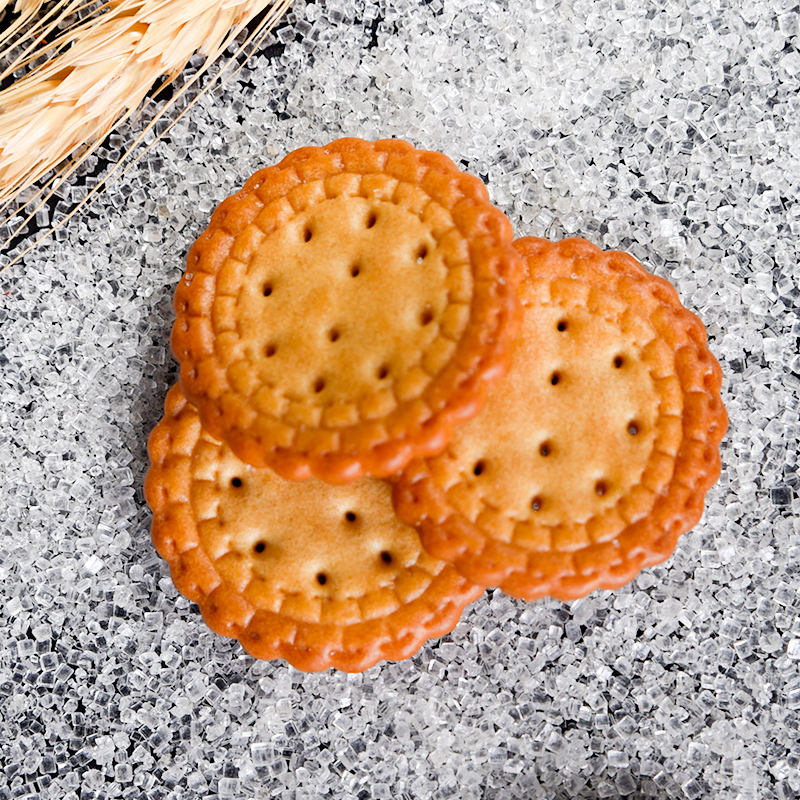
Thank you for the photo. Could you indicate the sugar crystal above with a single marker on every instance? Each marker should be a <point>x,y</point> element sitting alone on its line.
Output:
<point>671,135</point>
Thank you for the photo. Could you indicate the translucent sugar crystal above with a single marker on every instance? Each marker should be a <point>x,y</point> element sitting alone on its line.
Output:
<point>671,135</point>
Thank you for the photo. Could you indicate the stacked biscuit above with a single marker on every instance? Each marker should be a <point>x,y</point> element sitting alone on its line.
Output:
<point>386,404</point>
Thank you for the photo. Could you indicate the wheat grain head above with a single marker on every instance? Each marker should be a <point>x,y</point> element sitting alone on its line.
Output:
<point>99,73</point>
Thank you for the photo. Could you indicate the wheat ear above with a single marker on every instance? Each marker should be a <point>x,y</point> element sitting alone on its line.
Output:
<point>28,32</point>
<point>113,59</point>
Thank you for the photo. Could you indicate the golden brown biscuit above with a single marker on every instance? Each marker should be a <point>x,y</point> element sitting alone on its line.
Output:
<point>596,452</point>
<point>345,310</point>
<point>321,576</point>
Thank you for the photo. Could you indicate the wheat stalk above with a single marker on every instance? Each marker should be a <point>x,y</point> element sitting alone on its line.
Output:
<point>94,75</point>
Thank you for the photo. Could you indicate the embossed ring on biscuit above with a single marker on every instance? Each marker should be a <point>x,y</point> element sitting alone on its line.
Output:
<point>595,453</point>
<point>319,575</point>
<point>345,311</point>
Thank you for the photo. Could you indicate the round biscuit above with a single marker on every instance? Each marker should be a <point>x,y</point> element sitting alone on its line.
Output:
<point>597,450</point>
<point>346,309</point>
<point>319,575</point>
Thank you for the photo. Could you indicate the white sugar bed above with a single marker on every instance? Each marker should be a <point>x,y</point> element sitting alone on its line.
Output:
<point>667,129</point>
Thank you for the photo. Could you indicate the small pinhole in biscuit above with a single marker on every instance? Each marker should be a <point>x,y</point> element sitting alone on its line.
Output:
<point>319,385</point>
<point>426,317</point>
<point>600,488</point>
<point>618,362</point>
<point>422,252</point>
<point>372,219</point>
<point>633,428</point>
<point>270,350</point>
<point>322,578</point>
<point>536,504</point>
<point>267,289</point>
<point>479,468</point>
<point>386,557</point>
<point>350,516</point>
<point>555,378</point>
<point>545,449</point>
<point>355,271</point>
<point>333,335</point>
<point>562,325</point>
<point>383,372</point>
<point>236,483</point>
<point>260,547</point>
<point>307,234</point>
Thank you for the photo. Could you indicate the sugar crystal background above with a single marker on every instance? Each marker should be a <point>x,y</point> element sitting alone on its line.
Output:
<point>668,129</point>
